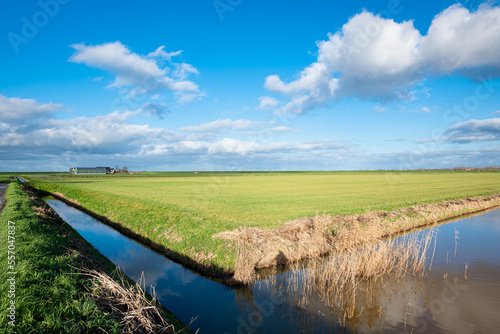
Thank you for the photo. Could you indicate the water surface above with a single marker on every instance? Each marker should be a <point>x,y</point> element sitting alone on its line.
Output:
<point>443,302</point>
<point>2,190</point>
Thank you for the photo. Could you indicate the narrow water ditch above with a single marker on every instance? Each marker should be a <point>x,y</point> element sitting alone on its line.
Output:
<point>3,187</point>
<point>450,299</point>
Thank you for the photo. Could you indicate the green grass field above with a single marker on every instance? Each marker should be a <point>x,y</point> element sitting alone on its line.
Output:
<point>182,211</point>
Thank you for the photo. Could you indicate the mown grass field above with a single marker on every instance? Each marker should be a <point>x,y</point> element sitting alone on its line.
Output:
<point>183,211</point>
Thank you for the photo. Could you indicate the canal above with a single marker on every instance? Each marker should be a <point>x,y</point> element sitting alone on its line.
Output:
<point>460,294</point>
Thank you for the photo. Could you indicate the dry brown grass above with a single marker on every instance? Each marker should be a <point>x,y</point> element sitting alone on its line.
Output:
<point>170,234</point>
<point>346,275</point>
<point>44,211</point>
<point>309,238</point>
<point>356,285</point>
<point>244,269</point>
<point>136,312</point>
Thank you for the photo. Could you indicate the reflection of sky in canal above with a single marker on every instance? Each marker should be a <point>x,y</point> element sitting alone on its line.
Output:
<point>429,305</point>
<point>2,187</point>
<point>478,240</point>
<point>186,294</point>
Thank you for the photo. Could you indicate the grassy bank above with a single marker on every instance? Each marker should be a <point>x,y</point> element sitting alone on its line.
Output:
<point>182,213</point>
<point>4,178</point>
<point>51,293</point>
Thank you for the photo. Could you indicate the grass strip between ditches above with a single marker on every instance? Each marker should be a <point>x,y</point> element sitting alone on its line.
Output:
<point>49,290</point>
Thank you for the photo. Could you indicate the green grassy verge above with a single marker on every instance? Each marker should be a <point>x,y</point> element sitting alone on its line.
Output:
<point>181,213</point>
<point>51,294</point>
<point>5,178</point>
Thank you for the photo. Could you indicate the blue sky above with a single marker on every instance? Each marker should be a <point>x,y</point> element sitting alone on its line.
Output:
<point>243,85</point>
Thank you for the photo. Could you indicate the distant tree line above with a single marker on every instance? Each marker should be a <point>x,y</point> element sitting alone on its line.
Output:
<point>123,170</point>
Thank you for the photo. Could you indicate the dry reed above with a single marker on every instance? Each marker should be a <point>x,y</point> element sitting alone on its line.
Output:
<point>136,312</point>
<point>445,276</point>
<point>309,238</point>
<point>348,274</point>
<point>245,263</point>
<point>354,284</point>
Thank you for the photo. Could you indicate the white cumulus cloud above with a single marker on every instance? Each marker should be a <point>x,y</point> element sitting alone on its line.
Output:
<point>283,128</point>
<point>240,124</point>
<point>474,130</point>
<point>154,109</point>
<point>15,108</point>
<point>140,74</point>
<point>267,103</point>
<point>470,131</point>
<point>160,53</point>
<point>101,134</point>
<point>372,57</point>
<point>465,42</point>
<point>425,110</point>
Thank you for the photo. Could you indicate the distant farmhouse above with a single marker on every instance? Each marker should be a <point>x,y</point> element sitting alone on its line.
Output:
<point>91,170</point>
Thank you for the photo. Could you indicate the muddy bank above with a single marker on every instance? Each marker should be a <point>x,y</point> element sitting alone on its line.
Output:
<point>308,238</point>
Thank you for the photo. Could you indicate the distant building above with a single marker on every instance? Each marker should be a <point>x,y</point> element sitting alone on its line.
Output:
<point>108,169</point>
<point>90,170</point>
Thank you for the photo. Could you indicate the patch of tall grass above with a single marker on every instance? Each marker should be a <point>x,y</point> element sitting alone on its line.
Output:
<point>345,275</point>
<point>355,284</point>
<point>138,313</point>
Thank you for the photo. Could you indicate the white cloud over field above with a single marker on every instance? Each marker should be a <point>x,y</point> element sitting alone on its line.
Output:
<point>42,137</point>
<point>140,74</point>
<point>372,57</point>
<point>486,130</point>
<point>18,109</point>
<point>44,142</point>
